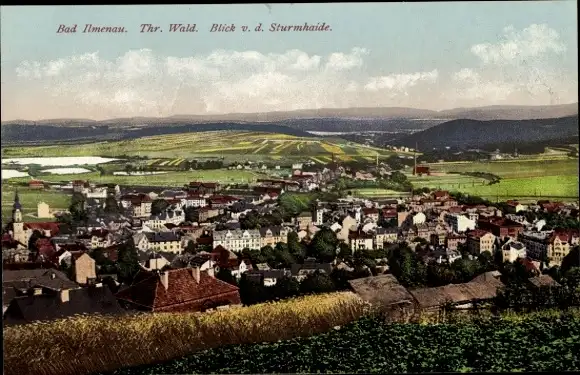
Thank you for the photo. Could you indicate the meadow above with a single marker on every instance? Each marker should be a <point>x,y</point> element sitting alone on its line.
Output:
<point>85,345</point>
<point>29,199</point>
<point>544,341</point>
<point>174,179</point>
<point>228,144</point>
<point>520,179</point>
<point>377,193</point>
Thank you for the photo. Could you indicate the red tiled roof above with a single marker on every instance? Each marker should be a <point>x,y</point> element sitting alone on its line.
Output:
<point>370,211</point>
<point>512,203</point>
<point>182,289</point>
<point>35,182</point>
<point>455,209</point>
<point>440,193</point>
<point>478,233</point>
<point>43,226</point>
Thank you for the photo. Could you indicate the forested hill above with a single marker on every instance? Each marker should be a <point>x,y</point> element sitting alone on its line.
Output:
<point>469,134</point>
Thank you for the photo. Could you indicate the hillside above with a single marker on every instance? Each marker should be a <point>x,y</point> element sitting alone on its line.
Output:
<point>236,145</point>
<point>466,134</point>
<point>40,133</point>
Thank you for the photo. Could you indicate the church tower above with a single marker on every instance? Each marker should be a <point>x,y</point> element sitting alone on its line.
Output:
<point>18,232</point>
<point>16,209</point>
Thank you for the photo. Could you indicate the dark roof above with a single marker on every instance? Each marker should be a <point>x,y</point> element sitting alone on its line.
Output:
<point>161,237</point>
<point>382,290</point>
<point>48,278</point>
<point>91,300</point>
<point>311,266</point>
<point>182,288</point>
<point>456,293</point>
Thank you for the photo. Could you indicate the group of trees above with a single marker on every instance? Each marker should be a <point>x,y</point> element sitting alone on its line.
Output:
<point>126,266</point>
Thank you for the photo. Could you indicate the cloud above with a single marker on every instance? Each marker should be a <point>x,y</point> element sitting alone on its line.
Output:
<point>514,70</point>
<point>141,82</point>
<point>515,46</point>
<point>400,82</point>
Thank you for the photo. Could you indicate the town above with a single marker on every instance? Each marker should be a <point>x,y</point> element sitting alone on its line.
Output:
<point>211,246</point>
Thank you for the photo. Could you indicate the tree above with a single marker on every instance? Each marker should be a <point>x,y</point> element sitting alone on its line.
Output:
<point>295,248</point>
<point>323,245</point>
<point>190,247</point>
<point>286,287</point>
<point>77,209</point>
<point>317,283</point>
<point>127,261</point>
<point>111,205</point>
<point>226,275</point>
<point>345,252</point>
<point>35,236</point>
<point>158,206</point>
<point>252,291</point>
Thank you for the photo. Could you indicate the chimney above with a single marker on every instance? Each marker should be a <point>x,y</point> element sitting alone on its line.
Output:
<point>165,279</point>
<point>211,272</point>
<point>64,295</point>
<point>196,273</point>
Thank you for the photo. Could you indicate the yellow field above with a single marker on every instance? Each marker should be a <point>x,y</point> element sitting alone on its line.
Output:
<point>84,345</point>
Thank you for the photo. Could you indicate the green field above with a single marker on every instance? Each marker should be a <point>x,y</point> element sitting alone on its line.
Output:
<point>173,179</point>
<point>29,200</point>
<point>521,179</point>
<point>233,145</point>
<point>377,193</point>
<point>530,343</point>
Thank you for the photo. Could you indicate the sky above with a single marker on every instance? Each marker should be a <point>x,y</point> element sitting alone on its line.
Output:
<point>434,55</point>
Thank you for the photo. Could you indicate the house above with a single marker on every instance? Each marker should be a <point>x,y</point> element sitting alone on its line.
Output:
<point>550,245</point>
<point>273,235</point>
<point>179,290</point>
<point>359,240</point>
<point>421,170</point>
<point>384,235</point>
<point>237,240</point>
<point>479,241</point>
<point>84,269</point>
<point>542,281</point>
<point>385,293</point>
<point>459,223</point>
<point>97,299</point>
<point>43,211</point>
<point>456,295</point>
<point>226,259</point>
<point>35,184</point>
<point>501,227</point>
<point>161,241</point>
<point>204,188</point>
<point>513,250</point>
<point>304,219</point>
<point>440,195</point>
<point>371,213</point>
<point>310,266</point>
<point>513,207</point>
<point>268,277</point>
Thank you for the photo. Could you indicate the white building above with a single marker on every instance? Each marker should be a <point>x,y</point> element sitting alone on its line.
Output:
<point>459,223</point>
<point>237,240</point>
<point>512,250</point>
<point>419,218</point>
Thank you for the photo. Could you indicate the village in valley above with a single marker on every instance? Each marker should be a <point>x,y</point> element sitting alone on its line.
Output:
<point>209,246</point>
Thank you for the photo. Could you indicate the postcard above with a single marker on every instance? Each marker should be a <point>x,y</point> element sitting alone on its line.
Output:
<point>290,188</point>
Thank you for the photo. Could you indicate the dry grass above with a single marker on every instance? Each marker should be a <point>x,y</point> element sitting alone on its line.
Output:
<point>84,345</point>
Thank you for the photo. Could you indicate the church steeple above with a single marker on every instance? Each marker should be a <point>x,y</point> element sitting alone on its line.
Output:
<point>16,209</point>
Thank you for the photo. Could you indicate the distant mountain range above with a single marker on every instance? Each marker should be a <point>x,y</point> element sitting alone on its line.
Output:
<point>297,123</point>
<point>479,113</point>
<point>466,134</point>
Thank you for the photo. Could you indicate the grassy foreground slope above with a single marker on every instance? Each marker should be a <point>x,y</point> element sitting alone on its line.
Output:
<point>216,143</point>
<point>537,342</point>
<point>85,345</point>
